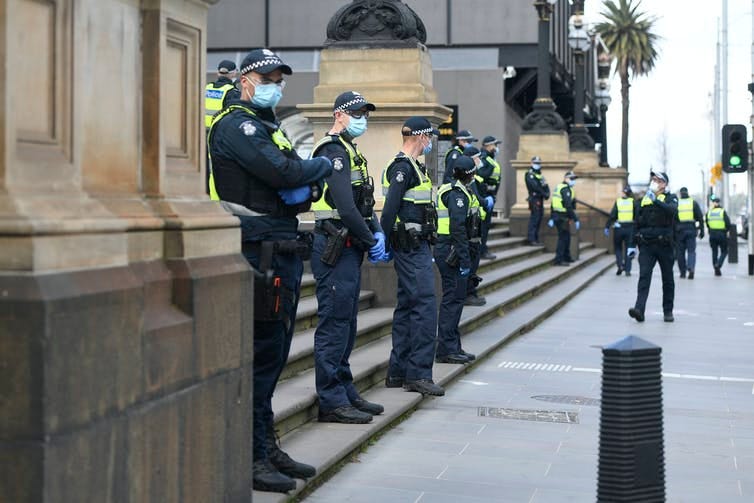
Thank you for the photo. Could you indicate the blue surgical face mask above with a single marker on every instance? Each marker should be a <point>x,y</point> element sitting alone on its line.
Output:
<point>427,148</point>
<point>571,183</point>
<point>267,95</point>
<point>536,167</point>
<point>356,127</point>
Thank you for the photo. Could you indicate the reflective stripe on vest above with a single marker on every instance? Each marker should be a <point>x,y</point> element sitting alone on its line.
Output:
<point>421,194</point>
<point>213,101</point>
<point>557,198</point>
<point>645,201</point>
<point>278,138</point>
<point>443,216</point>
<point>625,209</point>
<point>359,174</point>
<point>495,169</point>
<point>716,219</point>
<point>686,209</point>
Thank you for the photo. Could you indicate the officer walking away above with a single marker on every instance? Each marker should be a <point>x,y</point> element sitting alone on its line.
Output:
<point>472,296</point>
<point>539,192</point>
<point>345,227</point>
<point>718,224</point>
<point>653,232</point>
<point>257,176</point>
<point>488,179</point>
<point>409,220</point>
<point>561,213</point>
<point>463,139</point>
<point>219,93</point>
<point>689,213</point>
<point>621,218</point>
<point>459,223</point>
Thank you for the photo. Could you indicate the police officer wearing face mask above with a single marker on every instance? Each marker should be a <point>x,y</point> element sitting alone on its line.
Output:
<point>472,297</point>
<point>718,224</point>
<point>488,179</point>
<point>463,139</point>
<point>621,219</point>
<point>561,213</point>
<point>653,231</point>
<point>539,192</point>
<point>689,213</point>
<point>346,227</point>
<point>459,223</point>
<point>409,220</point>
<point>257,176</point>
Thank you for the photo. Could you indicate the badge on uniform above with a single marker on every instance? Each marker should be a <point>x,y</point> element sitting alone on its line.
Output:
<point>455,154</point>
<point>337,164</point>
<point>399,177</point>
<point>248,128</point>
<point>459,203</point>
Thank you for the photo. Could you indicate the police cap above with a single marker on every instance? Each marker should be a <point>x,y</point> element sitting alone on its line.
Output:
<point>661,175</point>
<point>627,190</point>
<point>263,61</point>
<point>414,126</point>
<point>571,175</point>
<point>226,66</point>
<point>463,166</point>
<point>684,191</point>
<point>536,159</point>
<point>465,134</point>
<point>351,100</point>
<point>471,151</point>
<point>490,140</point>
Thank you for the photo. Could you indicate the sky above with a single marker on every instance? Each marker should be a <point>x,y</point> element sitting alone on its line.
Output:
<point>676,97</point>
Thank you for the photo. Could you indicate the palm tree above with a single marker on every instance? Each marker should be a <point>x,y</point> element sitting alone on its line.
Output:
<point>627,33</point>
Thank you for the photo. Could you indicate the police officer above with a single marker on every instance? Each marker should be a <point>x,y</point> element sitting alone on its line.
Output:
<point>472,296</point>
<point>219,93</point>
<point>621,218</point>
<point>653,232</point>
<point>539,192</point>
<point>257,176</point>
<point>718,224</point>
<point>409,221</point>
<point>346,226</point>
<point>463,139</point>
<point>488,178</point>
<point>561,213</point>
<point>689,213</point>
<point>459,222</point>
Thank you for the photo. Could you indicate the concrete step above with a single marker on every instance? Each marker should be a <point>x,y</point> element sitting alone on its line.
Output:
<point>504,243</point>
<point>306,315</point>
<point>327,445</point>
<point>308,285</point>
<point>501,231</point>
<point>510,256</point>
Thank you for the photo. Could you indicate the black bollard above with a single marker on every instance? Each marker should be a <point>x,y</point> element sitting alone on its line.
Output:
<point>733,244</point>
<point>631,455</point>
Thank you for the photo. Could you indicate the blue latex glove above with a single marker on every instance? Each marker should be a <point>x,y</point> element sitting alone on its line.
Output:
<point>465,272</point>
<point>616,225</point>
<point>651,195</point>
<point>607,232</point>
<point>489,202</point>
<point>377,251</point>
<point>387,257</point>
<point>578,225</point>
<point>295,196</point>
<point>551,223</point>
<point>631,252</point>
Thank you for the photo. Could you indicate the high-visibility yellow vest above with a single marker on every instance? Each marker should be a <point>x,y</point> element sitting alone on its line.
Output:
<point>645,201</point>
<point>716,219</point>
<point>421,194</point>
<point>213,101</point>
<point>359,175</point>
<point>496,171</point>
<point>278,138</point>
<point>443,216</point>
<point>557,198</point>
<point>625,207</point>
<point>686,209</point>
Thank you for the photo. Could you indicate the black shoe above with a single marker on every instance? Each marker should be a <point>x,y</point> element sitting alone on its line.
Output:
<point>393,382</point>
<point>683,275</point>
<point>470,356</point>
<point>425,387</point>
<point>473,300</point>
<point>284,463</point>
<point>534,243</point>
<point>636,314</point>
<point>570,260</point>
<point>561,264</point>
<point>691,274</point>
<point>668,317</point>
<point>620,270</point>
<point>628,273</point>
<point>455,359</point>
<point>266,478</point>
<point>374,409</point>
<point>717,271</point>
<point>488,256</point>
<point>347,414</point>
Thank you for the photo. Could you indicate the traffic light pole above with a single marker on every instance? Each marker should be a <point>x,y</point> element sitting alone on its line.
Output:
<point>750,174</point>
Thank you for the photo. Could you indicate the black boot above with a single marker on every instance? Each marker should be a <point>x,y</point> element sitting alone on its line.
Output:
<point>267,478</point>
<point>374,409</point>
<point>348,414</point>
<point>284,463</point>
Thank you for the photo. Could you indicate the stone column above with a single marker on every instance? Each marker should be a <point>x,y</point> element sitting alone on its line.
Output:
<point>125,320</point>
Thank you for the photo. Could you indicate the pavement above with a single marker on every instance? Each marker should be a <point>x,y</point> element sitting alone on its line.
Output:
<point>523,426</point>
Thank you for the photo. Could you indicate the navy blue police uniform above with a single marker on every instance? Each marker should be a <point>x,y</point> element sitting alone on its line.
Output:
<point>621,218</point>
<point>689,215</point>
<point>562,207</point>
<point>539,192</point>
<point>488,177</point>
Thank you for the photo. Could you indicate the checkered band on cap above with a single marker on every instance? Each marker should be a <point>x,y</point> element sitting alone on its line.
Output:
<point>267,61</point>
<point>348,104</point>
<point>422,131</point>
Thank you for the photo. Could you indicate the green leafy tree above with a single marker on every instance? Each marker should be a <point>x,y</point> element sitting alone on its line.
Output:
<point>628,35</point>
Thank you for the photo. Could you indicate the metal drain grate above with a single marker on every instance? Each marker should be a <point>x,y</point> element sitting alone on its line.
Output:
<point>569,399</point>
<point>543,416</point>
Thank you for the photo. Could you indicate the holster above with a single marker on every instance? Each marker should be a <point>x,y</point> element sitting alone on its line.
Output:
<point>452,259</point>
<point>336,241</point>
<point>474,226</point>
<point>270,295</point>
<point>365,198</point>
<point>400,239</point>
<point>474,280</point>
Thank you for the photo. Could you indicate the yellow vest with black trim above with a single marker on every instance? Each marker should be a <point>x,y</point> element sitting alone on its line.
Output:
<point>685,209</point>
<point>213,101</point>
<point>625,207</point>
<point>716,219</point>
<point>496,170</point>
<point>557,198</point>
<point>645,201</point>
<point>278,138</point>
<point>443,216</point>
<point>420,194</point>
<point>359,175</point>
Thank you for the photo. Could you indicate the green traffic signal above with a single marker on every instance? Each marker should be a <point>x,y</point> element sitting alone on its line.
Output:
<point>735,160</point>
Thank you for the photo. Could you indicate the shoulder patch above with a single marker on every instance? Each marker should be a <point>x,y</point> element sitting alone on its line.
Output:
<point>248,128</point>
<point>454,155</point>
<point>459,203</point>
<point>337,164</point>
<point>399,177</point>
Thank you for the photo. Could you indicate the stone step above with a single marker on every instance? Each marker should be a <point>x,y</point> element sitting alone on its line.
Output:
<point>510,256</point>
<point>327,445</point>
<point>504,243</point>
<point>306,315</point>
<point>308,285</point>
<point>498,232</point>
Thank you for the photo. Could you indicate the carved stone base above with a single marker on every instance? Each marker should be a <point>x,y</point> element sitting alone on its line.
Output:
<point>579,138</point>
<point>543,118</point>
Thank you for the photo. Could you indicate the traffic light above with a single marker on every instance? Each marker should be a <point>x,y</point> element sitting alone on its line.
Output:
<point>735,149</point>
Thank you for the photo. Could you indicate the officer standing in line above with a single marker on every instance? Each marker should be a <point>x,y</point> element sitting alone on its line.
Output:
<point>622,219</point>
<point>459,222</point>
<point>346,226</point>
<point>488,178</point>
<point>689,213</point>
<point>653,232</point>
<point>219,93</point>
<point>539,192</point>
<point>561,213</point>
<point>463,139</point>
<point>257,176</point>
<point>472,296</point>
<point>409,220</point>
<point>718,224</point>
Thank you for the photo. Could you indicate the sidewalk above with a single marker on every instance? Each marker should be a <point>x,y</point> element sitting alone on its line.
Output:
<point>490,439</point>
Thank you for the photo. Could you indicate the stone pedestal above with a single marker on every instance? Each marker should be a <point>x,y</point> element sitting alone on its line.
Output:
<point>125,326</point>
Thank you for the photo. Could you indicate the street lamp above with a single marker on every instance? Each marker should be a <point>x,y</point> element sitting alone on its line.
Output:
<point>580,42</point>
<point>602,99</point>
<point>543,118</point>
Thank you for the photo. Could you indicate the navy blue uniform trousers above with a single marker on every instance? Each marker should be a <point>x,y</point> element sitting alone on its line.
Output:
<point>486,224</point>
<point>718,240</point>
<point>686,242</point>
<point>535,219</point>
<point>621,237</point>
<point>649,255</point>
<point>451,307</point>
<point>415,315</point>
<point>563,248</point>
<point>338,304</point>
